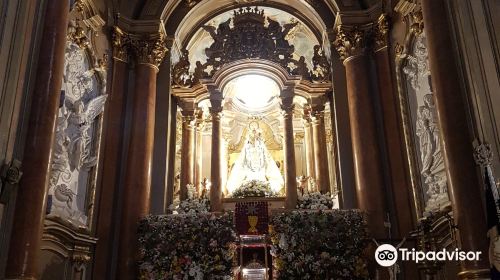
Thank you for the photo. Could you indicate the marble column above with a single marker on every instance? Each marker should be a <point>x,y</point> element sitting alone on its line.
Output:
<point>308,143</point>
<point>24,249</point>
<point>172,149</point>
<point>114,118</point>
<point>216,159</point>
<point>368,162</point>
<point>464,183</point>
<point>320,152</point>
<point>137,183</point>
<point>289,151</point>
<point>199,152</point>
<point>187,149</point>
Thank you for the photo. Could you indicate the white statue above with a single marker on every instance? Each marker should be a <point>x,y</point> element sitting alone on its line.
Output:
<point>80,121</point>
<point>430,151</point>
<point>254,163</point>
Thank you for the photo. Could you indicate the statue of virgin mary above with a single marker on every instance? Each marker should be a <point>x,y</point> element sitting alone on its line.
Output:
<point>254,163</point>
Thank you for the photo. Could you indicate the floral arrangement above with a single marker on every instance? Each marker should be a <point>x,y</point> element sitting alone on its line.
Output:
<point>316,201</point>
<point>187,247</point>
<point>192,205</point>
<point>254,188</point>
<point>319,245</point>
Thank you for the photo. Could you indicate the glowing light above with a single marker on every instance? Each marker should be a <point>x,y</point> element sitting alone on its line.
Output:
<point>255,91</point>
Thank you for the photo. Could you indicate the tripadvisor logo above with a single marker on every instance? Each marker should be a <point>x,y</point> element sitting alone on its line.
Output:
<point>388,255</point>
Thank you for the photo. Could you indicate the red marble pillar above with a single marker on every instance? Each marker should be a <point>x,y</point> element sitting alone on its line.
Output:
<point>114,118</point>
<point>187,152</point>
<point>464,183</point>
<point>198,167</point>
<point>309,147</point>
<point>137,183</point>
<point>320,153</point>
<point>22,262</point>
<point>289,151</point>
<point>368,162</point>
<point>216,159</point>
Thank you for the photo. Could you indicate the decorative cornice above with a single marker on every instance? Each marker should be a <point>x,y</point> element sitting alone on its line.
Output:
<point>351,41</point>
<point>147,40</point>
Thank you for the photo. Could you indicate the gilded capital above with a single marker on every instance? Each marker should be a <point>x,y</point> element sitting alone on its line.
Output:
<point>350,41</point>
<point>120,44</point>
<point>381,30</point>
<point>150,50</point>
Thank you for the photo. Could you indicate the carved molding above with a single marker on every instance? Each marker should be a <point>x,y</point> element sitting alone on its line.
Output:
<point>11,173</point>
<point>483,154</point>
<point>250,38</point>
<point>75,153</point>
<point>422,134</point>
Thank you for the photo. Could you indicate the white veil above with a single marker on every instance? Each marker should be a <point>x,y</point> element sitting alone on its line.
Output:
<point>254,163</point>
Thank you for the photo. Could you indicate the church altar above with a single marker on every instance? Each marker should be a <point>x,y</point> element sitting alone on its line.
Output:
<point>304,244</point>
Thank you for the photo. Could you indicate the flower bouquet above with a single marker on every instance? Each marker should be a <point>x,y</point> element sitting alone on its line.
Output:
<point>316,201</point>
<point>192,205</point>
<point>181,247</point>
<point>319,245</point>
<point>254,188</point>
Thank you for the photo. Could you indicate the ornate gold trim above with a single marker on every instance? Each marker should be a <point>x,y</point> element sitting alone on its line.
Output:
<point>381,30</point>
<point>120,40</point>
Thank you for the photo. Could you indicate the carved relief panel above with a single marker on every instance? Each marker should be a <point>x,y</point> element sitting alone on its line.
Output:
<point>75,147</point>
<point>421,128</point>
<point>68,238</point>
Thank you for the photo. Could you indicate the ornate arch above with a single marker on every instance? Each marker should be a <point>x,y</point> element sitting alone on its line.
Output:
<point>250,38</point>
<point>285,81</point>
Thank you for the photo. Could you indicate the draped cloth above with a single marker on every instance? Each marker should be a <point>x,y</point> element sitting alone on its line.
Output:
<point>254,163</point>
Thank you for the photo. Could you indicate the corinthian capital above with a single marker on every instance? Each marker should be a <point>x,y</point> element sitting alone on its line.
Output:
<point>350,41</point>
<point>120,44</point>
<point>150,49</point>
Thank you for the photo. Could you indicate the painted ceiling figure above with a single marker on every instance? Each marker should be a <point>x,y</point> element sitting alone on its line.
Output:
<point>254,163</point>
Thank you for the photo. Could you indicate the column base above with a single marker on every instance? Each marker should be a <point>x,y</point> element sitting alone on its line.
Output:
<point>475,274</point>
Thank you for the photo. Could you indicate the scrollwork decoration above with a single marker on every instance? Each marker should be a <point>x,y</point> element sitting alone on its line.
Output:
<point>249,37</point>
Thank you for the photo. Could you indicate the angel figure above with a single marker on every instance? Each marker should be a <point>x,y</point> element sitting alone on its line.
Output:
<point>321,66</point>
<point>81,120</point>
<point>218,37</point>
<point>180,71</point>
